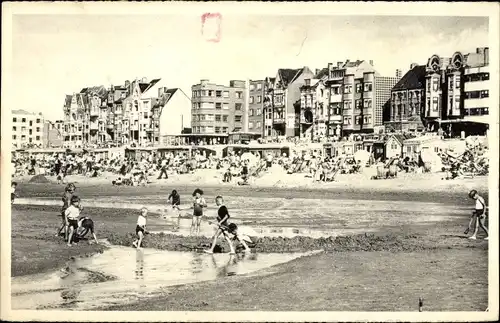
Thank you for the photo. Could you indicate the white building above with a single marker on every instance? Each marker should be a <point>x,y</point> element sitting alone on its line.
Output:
<point>27,129</point>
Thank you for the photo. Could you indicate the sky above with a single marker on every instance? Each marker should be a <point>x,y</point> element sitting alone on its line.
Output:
<point>54,55</point>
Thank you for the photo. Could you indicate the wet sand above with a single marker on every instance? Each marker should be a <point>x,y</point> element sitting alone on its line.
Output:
<point>422,227</point>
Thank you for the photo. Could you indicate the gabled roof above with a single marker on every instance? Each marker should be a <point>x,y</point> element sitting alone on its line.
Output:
<point>322,73</point>
<point>67,100</point>
<point>287,75</point>
<point>413,79</point>
<point>144,87</point>
<point>400,137</point>
<point>352,64</point>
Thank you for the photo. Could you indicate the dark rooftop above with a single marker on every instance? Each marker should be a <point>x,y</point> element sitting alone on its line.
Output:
<point>413,79</point>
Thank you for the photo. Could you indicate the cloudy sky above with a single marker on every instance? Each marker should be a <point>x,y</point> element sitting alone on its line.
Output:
<point>54,55</point>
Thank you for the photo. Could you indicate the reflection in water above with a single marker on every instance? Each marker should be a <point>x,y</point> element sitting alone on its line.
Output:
<point>121,269</point>
<point>139,265</point>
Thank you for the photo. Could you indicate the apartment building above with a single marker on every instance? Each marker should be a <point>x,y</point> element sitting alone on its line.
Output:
<point>140,112</point>
<point>314,101</point>
<point>457,93</point>
<point>27,129</point>
<point>408,102</point>
<point>257,91</point>
<point>358,97</point>
<point>218,109</point>
<point>284,100</point>
<point>53,134</point>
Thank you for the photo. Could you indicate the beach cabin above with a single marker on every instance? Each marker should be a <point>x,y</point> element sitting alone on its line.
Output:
<point>263,150</point>
<point>394,146</point>
<point>242,137</point>
<point>415,146</point>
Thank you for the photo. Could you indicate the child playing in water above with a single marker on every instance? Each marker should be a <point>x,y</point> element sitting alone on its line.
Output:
<point>71,214</point>
<point>86,225</point>
<point>479,215</point>
<point>224,228</point>
<point>198,204</point>
<point>140,229</point>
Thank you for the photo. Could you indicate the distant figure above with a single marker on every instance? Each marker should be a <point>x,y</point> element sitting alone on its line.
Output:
<point>198,204</point>
<point>479,215</point>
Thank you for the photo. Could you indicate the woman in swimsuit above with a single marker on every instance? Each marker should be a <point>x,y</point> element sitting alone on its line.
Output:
<point>198,204</point>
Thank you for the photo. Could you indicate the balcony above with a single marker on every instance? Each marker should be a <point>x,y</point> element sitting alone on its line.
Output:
<point>278,120</point>
<point>94,112</point>
<point>279,104</point>
<point>94,126</point>
<point>110,126</point>
<point>335,118</point>
<point>336,98</point>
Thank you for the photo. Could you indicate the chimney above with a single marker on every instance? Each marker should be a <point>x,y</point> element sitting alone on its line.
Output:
<point>413,65</point>
<point>486,55</point>
<point>371,62</point>
<point>339,64</point>
<point>330,66</point>
<point>317,71</point>
<point>144,80</point>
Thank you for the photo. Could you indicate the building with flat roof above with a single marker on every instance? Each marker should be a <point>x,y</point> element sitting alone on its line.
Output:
<point>218,109</point>
<point>27,129</point>
<point>256,97</point>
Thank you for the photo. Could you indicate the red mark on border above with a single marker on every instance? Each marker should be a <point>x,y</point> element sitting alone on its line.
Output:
<point>210,26</point>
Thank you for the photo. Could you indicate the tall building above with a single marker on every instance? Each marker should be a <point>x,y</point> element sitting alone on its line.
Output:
<point>314,102</point>
<point>218,108</point>
<point>140,112</point>
<point>457,92</point>
<point>358,97</point>
<point>256,97</point>
<point>408,102</point>
<point>285,101</point>
<point>27,129</point>
<point>53,134</point>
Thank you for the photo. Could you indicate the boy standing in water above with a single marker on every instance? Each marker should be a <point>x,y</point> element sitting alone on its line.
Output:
<point>13,194</point>
<point>479,215</point>
<point>198,204</point>
<point>69,191</point>
<point>71,214</point>
<point>140,229</point>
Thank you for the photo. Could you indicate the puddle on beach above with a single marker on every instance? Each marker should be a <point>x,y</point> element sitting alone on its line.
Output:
<point>122,275</point>
<point>278,217</point>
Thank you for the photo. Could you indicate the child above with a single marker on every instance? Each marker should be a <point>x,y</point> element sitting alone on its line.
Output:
<point>175,199</point>
<point>224,228</point>
<point>198,204</point>
<point>479,214</point>
<point>69,191</point>
<point>71,214</point>
<point>86,224</point>
<point>140,229</point>
<point>13,194</point>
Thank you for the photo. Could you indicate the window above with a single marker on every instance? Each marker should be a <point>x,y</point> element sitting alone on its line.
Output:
<point>358,104</point>
<point>252,87</point>
<point>217,129</point>
<point>237,106</point>
<point>259,111</point>
<point>368,104</point>
<point>435,84</point>
<point>14,137</point>
<point>259,99</point>
<point>451,83</point>
<point>23,120</point>
<point>394,146</point>
<point>30,131</point>
<point>218,117</point>
<point>224,129</point>
<point>250,112</point>
<point>194,94</point>
<point>347,104</point>
<point>259,86</point>
<point>435,104</point>
<point>37,138</point>
<point>210,129</point>
<point>224,118</point>
<point>31,140</point>
<point>237,118</point>
<point>207,105</point>
<point>225,94</point>
<point>347,121</point>
<point>251,100</point>
<point>336,90</point>
<point>368,87</point>
<point>367,119</point>
<point>14,128</point>
<point>210,117</point>
<point>486,76</point>
<point>218,105</point>
<point>239,94</point>
<point>259,124</point>
<point>218,94</point>
<point>210,93</point>
<point>347,88</point>
<point>357,120</point>
<point>146,115</point>
<point>250,125</point>
<point>359,86</point>
<point>457,82</point>
<point>484,94</point>
<point>14,119</point>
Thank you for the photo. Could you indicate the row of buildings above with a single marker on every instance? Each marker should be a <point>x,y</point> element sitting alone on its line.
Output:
<point>447,94</point>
